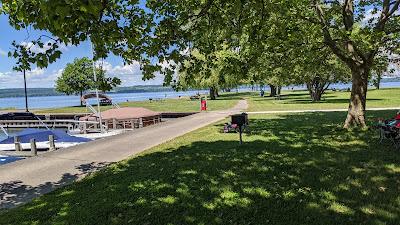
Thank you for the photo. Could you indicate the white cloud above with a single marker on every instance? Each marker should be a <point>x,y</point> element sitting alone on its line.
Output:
<point>2,52</point>
<point>46,46</point>
<point>371,17</point>
<point>130,74</point>
<point>36,78</point>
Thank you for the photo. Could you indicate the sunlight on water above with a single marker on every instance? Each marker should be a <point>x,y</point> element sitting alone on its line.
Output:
<point>8,159</point>
<point>10,132</point>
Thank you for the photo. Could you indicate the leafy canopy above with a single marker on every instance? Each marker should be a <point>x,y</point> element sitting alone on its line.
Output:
<point>78,77</point>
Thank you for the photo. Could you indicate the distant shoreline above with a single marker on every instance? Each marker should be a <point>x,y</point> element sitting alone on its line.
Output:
<point>43,92</point>
<point>49,92</point>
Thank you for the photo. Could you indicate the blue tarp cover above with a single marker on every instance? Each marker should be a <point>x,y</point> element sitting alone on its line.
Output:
<point>8,159</point>
<point>43,135</point>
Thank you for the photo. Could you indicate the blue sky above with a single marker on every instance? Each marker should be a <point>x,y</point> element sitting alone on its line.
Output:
<point>129,74</point>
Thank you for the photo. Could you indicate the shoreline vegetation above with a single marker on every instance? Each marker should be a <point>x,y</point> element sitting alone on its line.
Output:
<point>309,169</point>
<point>303,165</point>
<point>289,100</point>
<point>38,92</point>
<point>183,104</point>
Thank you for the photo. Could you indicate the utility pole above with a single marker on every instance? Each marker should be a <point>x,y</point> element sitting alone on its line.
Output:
<point>26,93</point>
<point>97,91</point>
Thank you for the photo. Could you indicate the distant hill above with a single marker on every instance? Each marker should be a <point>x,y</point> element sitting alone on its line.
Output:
<point>142,88</point>
<point>19,92</point>
<point>390,79</point>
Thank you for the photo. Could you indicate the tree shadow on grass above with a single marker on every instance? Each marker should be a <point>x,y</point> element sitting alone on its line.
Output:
<point>232,96</point>
<point>324,100</point>
<point>304,98</point>
<point>16,192</point>
<point>292,169</point>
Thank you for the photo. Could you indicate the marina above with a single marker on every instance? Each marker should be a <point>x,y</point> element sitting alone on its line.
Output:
<point>43,102</point>
<point>20,139</point>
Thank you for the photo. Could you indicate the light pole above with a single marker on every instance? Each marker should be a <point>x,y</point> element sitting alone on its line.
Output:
<point>26,93</point>
<point>97,91</point>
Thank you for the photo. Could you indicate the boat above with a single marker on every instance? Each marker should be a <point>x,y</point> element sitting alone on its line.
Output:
<point>103,98</point>
<point>61,139</point>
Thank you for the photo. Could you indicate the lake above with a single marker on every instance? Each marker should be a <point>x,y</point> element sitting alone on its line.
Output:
<point>8,159</point>
<point>11,132</point>
<point>65,101</point>
<point>41,102</point>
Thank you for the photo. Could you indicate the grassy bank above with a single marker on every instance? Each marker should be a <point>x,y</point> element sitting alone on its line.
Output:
<point>291,100</point>
<point>292,169</point>
<point>183,104</point>
<point>300,100</point>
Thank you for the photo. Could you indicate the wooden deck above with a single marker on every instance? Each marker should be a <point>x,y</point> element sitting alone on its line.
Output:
<point>65,124</point>
<point>69,121</point>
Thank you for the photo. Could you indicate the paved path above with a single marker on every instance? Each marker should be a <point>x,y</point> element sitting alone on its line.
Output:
<point>318,110</point>
<point>24,180</point>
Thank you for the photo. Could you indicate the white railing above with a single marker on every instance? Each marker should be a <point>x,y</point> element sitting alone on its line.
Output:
<point>4,131</point>
<point>41,122</point>
<point>90,107</point>
<point>94,111</point>
<point>116,105</point>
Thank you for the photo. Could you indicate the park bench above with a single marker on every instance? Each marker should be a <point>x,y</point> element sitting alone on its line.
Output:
<point>390,130</point>
<point>195,97</point>
<point>156,99</point>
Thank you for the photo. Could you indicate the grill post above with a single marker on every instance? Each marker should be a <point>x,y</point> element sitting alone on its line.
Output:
<point>51,142</point>
<point>17,143</point>
<point>33,147</point>
<point>241,120</point>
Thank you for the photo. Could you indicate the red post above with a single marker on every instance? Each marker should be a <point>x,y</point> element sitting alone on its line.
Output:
<point>203,103</point>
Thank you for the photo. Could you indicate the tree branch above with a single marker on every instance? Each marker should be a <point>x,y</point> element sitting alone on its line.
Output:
<point>387,12</point>
<point>348,14</point>
<point>328,37</point>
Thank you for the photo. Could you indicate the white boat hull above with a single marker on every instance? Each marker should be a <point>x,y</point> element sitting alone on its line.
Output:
<point>39,145</point>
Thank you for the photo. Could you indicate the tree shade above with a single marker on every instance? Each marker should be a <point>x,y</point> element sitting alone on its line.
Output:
<point>261,32</point>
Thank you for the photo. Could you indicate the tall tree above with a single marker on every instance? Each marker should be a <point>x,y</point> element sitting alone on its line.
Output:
<point>356,32</point>
<point>78,77</point>
<point>105,83</point>
<point>200,72</point>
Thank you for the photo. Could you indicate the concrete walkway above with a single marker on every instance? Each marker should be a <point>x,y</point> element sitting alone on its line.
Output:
<point>317,110</point>
<point>24,180</point>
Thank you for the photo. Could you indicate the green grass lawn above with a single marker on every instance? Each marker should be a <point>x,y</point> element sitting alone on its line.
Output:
<point>299,100</point>
<point>292,169</point>
<point>184,104</point>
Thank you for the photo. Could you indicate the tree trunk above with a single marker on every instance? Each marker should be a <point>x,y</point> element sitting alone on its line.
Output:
<point>273,90</point>
<point>212,93</point>
<point>216,92</point>
<point>377,82</point>
<point>81,94</point>
<point>317,87</point>
<point>315,93</point>
<point>279,90</point>
<point>358,98</point>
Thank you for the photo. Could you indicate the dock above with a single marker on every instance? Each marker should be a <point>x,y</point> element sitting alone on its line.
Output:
<point>62,124</point>
<point>71,121</point>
